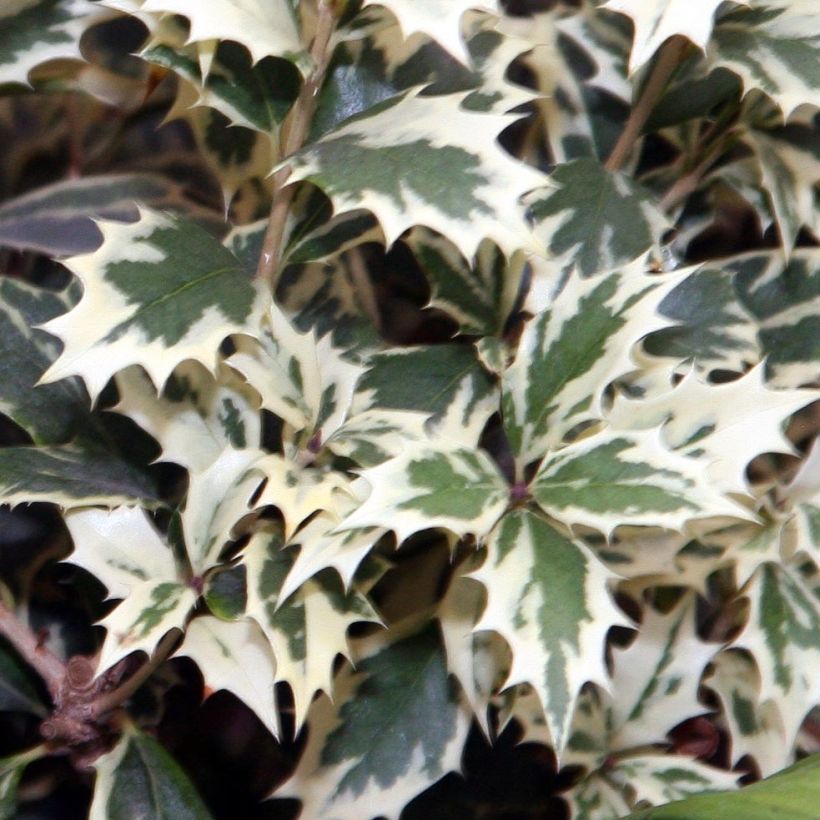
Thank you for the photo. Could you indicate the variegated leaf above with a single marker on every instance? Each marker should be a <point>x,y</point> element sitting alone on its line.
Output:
<point>658,779</point>
<point>158,291</point>
<point>71,476</point>
<point>445,382</point>
<point>459,489</point>
<point>773,47</point>
<point>710,324</point>
<point>547,597</point>
<point>727,425</point>
<point>304,380</point>
<point>11,771</point>
<point>750,546</point>
<point>378,748</point>
<point>307,630</point>
<point>197,416</point>
<point>754,727</point>
<point>657,20</point>
<point>138,778</point>
<point>440,22</point>
<point>218,497</point>
<point>463,184</point>
<point>595,798</point>
<point>56,219</point>
<point>236,656</point>
<point>36,31</point>
<point>789,160</point>
<point>596,219</point>
<point>782,635</point>
<point>655,679</point>
<point>266,29</point>
<point>784,299</point>
<point>615,478</point>
<point>570,352</point>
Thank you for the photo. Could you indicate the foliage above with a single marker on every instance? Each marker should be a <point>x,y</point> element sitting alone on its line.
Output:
<point>435,365</point>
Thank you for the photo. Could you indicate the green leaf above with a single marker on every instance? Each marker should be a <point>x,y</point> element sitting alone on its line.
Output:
<point>781,634</point>
<point>36,31</point>
<point>711,324</point>
<point>459,489</point>
<point>595,798</point>
<point>784,299</point>
<point>619,478</point>
<point>17,692</point>
<point>547,597</point>
<point>773,48</point>
<point>11,770</point>
<point>792,793</point>
<point>596,219</point>
<point>308,629</point>
<point>157,292</point>
<point>72,476</point>
<point>138,778</point>
<point>56,219</point>
<point>570,352</point>
<point>236,656</point>
<point>446,382</point>
<point>378,748</point>
<point>463,184</point>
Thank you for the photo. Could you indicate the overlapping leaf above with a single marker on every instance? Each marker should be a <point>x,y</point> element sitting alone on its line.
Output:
<point>158,291</point>
<point>463,184</point>
<point>570,352</point>
<point>377,747</point>
<point>547,597</point>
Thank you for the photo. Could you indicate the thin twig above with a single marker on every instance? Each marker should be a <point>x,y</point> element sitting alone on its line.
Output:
<point>294,134</point>
<point>111,700</point>
<point>668,58</point>
<point>50,668</point>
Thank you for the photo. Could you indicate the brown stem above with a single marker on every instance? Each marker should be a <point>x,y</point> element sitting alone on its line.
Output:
<point>111,700</point>
<point>668,58</point>
<point>50,668</point>
<point>294,133</point>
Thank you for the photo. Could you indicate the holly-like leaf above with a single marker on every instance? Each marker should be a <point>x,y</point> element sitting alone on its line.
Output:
<point>595,798</point>
<point>657,20</point>
<point>783,298</point>
<point>655,679</point>
<point>789,160</point>
<point>445,382</point>
<point>463,184</point>
<point>307,630</point>
<point>711,325</point>
<point>158,291</point>
<point>459,489</point>
<point>56,219</point>
<point>377,747</point>
<point>17,692</point>
<point>138,778</point>
<point>570,352</point>
<point>595,219</point>
<point>755,728</point>
<point>547,597</point>
<point>37,31</point>
<point>72,476</point>
<point>197,417</point>
<point>266,29</point>
<point>727,424</point>
<point>772,47</point>
<point>236,656</point>
<point>441,23</point>
<point>11,771</point>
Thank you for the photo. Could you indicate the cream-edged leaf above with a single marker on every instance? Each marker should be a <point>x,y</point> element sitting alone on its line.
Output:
<point>138,778</point>
<point>378,747</point>
<point>455,488</point>
<point>307,630</point>
<point>157,292</point>
<point>595,798</point>
<point>547,597</point>
<point>615,478</point>
<point>570,352</point>
<point>236,656</point>
<point>463,184</point>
